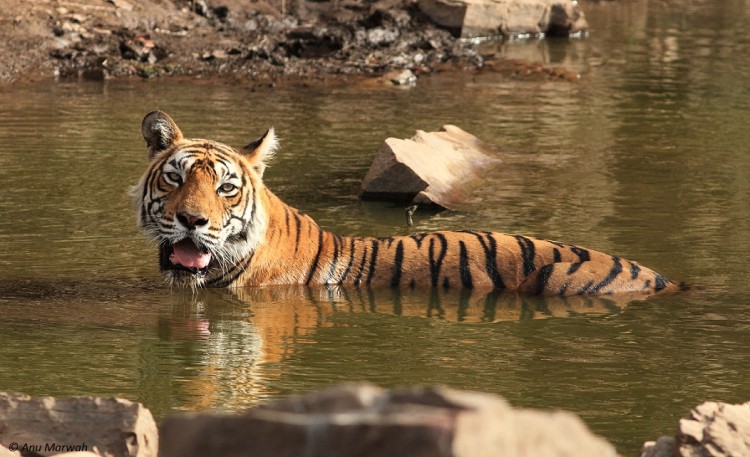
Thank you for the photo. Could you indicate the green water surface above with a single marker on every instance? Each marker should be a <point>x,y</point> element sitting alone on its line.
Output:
<point>645,157</point>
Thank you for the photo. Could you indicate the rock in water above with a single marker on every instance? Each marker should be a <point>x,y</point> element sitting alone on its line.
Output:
<point>434,169</point>
<point>472,18</point>
<point>711,429</point>
<point>51,426</point>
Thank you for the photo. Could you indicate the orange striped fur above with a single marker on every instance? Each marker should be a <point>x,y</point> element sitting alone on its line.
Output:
<point>217,225</point>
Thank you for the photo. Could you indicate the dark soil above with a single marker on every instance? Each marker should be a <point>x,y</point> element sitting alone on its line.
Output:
<point>258,41</point>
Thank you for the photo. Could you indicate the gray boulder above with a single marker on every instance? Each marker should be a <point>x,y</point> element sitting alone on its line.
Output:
<point>434,169</point>
<point>712,429</point>
<point>472,18</point>
<point>365,421</point>
<point>52,426</point>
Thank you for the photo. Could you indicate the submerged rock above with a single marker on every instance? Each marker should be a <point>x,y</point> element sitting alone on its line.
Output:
<point>363,420</point>
<point>52,426</point>
<point>434,169</point>
<point>401,77</point>
<point>711,429</point>
<point>471,18</point>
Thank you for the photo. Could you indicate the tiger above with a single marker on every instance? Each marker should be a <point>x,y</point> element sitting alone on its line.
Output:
<point>217,225</point>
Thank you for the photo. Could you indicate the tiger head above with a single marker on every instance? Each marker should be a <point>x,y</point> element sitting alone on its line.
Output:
<point>199,200</point>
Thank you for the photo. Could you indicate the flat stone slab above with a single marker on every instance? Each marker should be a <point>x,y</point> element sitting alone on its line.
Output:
<point>431,168</point>
<point>476,18</point>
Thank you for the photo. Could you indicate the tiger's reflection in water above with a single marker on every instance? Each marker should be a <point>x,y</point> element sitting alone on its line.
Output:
<point>248,335</point>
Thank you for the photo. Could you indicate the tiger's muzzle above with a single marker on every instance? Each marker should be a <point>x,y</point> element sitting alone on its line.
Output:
<point>185,257</point>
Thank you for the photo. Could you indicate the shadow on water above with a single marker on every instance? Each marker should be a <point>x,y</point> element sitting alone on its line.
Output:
<point>457,305</point>
<point>269,315</point>
<point>281,306</point>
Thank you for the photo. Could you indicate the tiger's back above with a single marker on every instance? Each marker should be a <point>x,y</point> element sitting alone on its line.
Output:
<point>467,259</point>
<point>217,225</point>
<point>473,259</point>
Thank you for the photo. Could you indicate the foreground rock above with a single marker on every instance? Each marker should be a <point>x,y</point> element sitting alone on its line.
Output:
<point>52,426</point>
<point>712,429</point>
<point>472,18</point>
<point>435,168</point>
<point>363,420</point>
<point>351,420</point>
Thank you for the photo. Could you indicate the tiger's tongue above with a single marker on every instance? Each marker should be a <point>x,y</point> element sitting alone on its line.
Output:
<point>187,254</point>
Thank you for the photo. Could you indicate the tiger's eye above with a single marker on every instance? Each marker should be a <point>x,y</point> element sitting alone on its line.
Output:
<point>174,177</point>
<point>227,188</point>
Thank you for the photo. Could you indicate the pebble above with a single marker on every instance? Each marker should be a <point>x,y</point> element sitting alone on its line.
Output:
<point>401,77</point>
<point>380,36</point>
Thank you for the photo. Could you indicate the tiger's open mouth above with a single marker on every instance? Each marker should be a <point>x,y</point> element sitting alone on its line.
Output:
<point>185,255</point>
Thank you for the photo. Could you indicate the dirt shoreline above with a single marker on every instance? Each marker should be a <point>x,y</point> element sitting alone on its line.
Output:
<point>262,42</point>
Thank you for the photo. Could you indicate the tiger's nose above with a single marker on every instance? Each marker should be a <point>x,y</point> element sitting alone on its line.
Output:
<point>191,221</point>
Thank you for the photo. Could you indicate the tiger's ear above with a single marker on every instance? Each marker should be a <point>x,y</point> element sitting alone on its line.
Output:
<point>261,150</point>
<point>160,132</point>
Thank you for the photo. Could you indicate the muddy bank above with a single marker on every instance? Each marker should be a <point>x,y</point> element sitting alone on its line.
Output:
<point>262,41</point>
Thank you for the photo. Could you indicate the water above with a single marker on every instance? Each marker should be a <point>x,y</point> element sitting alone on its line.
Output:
<point>643,157</point>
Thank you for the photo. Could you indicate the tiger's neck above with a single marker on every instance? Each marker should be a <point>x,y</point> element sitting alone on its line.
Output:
<point>295,250</point>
